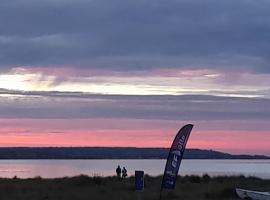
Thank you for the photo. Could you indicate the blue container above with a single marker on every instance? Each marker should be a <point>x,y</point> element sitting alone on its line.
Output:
<point>139,180</point>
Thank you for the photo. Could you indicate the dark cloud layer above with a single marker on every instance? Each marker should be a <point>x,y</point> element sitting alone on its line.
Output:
<point>164,107</point>
<point>134,35</point>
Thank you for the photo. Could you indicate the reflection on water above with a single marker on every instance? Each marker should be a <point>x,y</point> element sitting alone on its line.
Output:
<point>61,168</point>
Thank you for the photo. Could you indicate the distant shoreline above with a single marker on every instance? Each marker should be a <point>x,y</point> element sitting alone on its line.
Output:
<point>132,158</point>
<point>32,153</point>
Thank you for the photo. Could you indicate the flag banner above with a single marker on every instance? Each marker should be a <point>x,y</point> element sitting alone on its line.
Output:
<point>175,156</point>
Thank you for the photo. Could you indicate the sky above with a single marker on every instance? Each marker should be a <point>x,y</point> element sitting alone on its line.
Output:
<point>131,73</point>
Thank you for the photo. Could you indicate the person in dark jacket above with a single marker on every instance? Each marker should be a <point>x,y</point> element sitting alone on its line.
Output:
<point>118,171</point>
<point>124,172</point>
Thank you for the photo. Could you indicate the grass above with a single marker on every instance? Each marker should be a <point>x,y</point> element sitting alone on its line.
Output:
<point>111,188</point>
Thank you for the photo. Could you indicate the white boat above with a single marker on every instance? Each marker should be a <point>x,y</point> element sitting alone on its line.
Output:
<point>250,194</point>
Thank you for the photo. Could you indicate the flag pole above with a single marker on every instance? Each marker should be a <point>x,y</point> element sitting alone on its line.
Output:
<point>160,194</point>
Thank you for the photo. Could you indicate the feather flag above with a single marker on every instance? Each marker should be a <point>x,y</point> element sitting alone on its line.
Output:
<point>175,156</point>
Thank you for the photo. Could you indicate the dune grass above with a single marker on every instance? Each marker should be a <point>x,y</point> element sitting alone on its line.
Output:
<point>111,188</point>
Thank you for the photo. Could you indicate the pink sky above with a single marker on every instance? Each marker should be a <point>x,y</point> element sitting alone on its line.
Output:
<point>124,132</point>
<point>61,107</point>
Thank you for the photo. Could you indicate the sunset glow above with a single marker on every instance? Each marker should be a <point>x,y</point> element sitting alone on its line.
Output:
<point>108,78</point>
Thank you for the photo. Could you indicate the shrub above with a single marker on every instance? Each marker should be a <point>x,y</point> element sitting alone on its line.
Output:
<point>194,179</point>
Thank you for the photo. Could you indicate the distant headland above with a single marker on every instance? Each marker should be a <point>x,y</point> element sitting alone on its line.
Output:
<point>111,153</point>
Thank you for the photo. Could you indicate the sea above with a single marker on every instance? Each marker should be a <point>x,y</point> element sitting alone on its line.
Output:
<point>153,167</point>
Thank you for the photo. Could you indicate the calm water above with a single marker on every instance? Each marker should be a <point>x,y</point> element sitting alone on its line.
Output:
<point>61,168</point>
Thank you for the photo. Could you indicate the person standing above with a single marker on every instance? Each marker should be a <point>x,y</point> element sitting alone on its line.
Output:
<point>124,172</point>
<point>118,171</point>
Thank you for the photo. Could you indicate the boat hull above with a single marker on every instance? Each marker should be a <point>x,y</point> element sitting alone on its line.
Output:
<point>250,194</point>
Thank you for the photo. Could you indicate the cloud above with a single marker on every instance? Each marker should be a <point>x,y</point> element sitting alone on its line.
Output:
<point>164,107</point>
<point>136,35</point>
